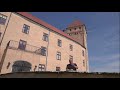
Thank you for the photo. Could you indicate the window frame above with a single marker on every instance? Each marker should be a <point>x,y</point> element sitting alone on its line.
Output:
<point>59,43</point>
<point>58,55</point>
<point>22,47</point>
<point>83,53</point>
<point>70,57</point>
<point>45,37</point>
<point>43,51</point>
<point>3,17</point>
<point>71,47</point>
<point>28,29</point>
<point>41,67</point>
<point>0,34</point>
<point>58,69</point>
<point>83,63</point>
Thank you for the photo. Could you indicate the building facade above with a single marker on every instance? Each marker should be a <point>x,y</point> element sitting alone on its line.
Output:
<point>30,44</point>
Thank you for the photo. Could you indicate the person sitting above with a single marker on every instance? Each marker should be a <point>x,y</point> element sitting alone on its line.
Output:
<point>71,66</point>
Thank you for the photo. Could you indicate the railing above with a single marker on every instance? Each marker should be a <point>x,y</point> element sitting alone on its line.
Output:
<point>28,48</point>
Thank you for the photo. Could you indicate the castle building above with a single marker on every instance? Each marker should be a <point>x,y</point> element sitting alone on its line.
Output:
<point>30,44</point>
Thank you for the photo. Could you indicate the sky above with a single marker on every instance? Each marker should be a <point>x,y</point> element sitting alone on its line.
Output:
<point>103,35</point>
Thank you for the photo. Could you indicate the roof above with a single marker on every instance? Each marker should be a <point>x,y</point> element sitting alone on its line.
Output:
<point>39,21</point>
<point>75,23</point>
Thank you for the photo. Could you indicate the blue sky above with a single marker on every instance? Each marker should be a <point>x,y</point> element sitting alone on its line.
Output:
<point>103,36</point>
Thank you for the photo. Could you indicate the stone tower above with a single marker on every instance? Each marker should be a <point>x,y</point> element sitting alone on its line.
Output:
<point>77,30</point>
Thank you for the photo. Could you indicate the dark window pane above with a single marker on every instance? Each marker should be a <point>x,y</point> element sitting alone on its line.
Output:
<point>59,43</point>
<point>57,68</point>
<point>45,37</point>
<point>3,19</point>
<point>43,51</point>
<point>83,52</point>
<point>26,29</point>
<point>71,47</point>
<point>22,45</point>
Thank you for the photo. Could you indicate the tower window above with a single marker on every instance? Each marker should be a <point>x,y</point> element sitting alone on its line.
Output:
<point>70,57</point>
<point>70,29</point>
<point>84,63</point>
<point>0,34</point>
<point>82,52</point>
<point>71,47</point>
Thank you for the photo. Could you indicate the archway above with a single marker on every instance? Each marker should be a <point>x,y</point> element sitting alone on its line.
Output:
<point>20,66</point>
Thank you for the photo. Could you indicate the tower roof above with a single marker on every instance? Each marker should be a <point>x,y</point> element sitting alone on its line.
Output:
<point>75,23</point>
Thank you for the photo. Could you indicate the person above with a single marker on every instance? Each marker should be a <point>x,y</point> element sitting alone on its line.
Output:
<point>71,66</point>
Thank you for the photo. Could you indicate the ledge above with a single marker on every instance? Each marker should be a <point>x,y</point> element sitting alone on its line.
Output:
<point>64,74</point>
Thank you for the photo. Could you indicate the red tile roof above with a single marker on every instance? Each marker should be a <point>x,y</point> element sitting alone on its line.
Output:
<point>37,20</point>
<point>75,23</point>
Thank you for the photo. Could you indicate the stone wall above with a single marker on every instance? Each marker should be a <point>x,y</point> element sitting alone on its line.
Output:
<point>59,75</point>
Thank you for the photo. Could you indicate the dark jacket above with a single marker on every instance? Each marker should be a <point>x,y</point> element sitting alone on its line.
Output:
<point>69,66</point>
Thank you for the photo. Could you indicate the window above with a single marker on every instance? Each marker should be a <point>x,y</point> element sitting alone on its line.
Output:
<point>70,57</point>
<point>79,27</point>
<point>59,42</point>
<point>57,68</point>
<point>75,28</point>
<point>3,19</point>
<point>84,63</point>
<point>83,52</point>
<point>71,47</point>
<point>45,37</point>
<point>22,44</point>
<point>41,67</point>
<point>0,34</point>
<point>26,29</point>
<point>70,29</point>
<point>43,51</point>
<point>58,56</point>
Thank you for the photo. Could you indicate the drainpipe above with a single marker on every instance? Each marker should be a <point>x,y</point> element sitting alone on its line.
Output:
<point>47,50</point>
<point>5,29</point>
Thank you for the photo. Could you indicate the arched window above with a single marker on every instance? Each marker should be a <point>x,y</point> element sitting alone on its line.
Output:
<point>20,66</point>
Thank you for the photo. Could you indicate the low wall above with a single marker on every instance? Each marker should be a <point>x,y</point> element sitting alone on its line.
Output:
<point>59,75</point>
